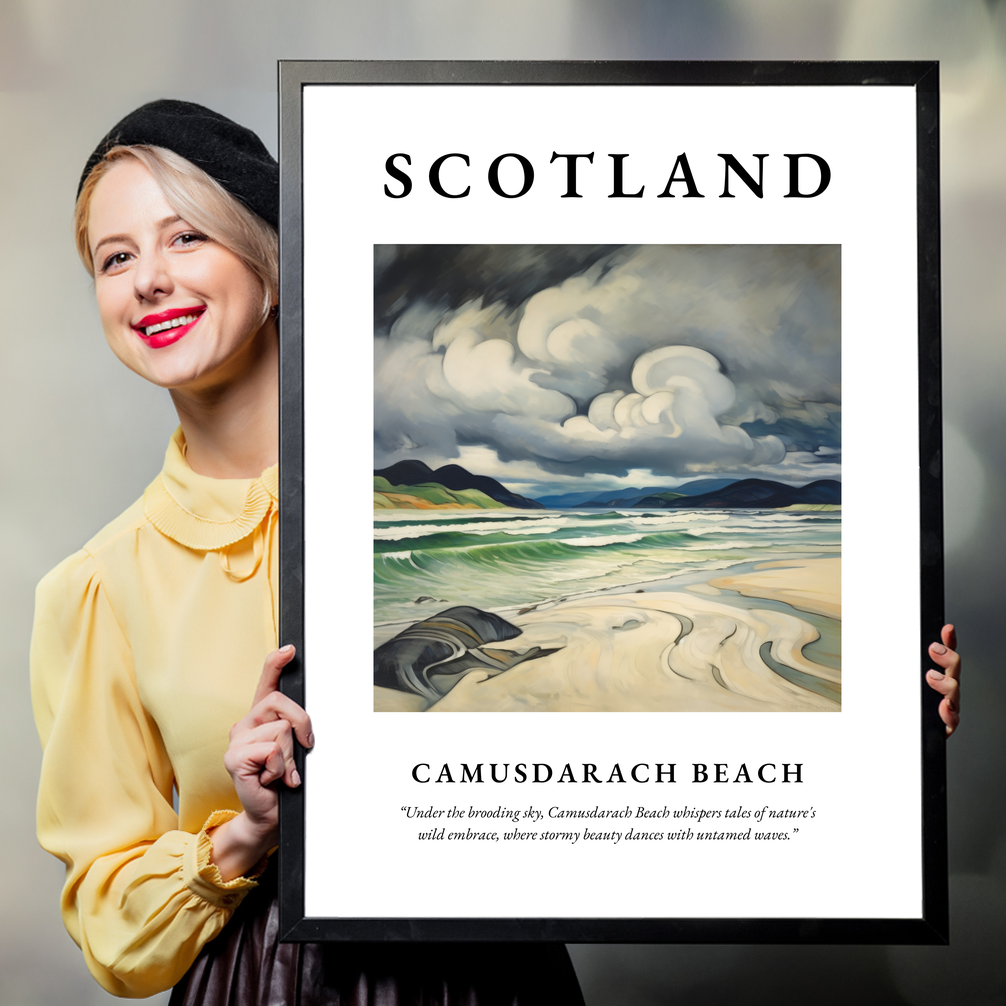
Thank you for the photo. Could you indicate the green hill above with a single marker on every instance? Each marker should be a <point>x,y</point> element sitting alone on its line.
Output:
<point>429,496</point>
<point>657,498</point>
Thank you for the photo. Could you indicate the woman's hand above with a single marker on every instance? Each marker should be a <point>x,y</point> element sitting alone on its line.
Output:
<point>260,753</point>
<point>947,682</point>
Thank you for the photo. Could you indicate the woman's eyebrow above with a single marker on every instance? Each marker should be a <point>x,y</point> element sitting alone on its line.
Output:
<point>110,240</point>
<point>160,225</point>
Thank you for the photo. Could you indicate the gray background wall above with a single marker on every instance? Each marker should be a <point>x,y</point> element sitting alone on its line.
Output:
<point>82,436</point>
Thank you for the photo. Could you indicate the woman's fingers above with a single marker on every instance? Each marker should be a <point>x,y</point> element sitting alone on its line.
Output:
<point>277,706</point>
<point>260,761</point>
<point>270,703</point>
<point>949,714</point>
<point>949,636</point>
<point>274,767</point>
<point>947,681</point>
<point>261,749</point>
<point>946,686</point>
<point>949,688</point>
<point>278,736</point>
<point>946,656</point>
<point>271,671</point>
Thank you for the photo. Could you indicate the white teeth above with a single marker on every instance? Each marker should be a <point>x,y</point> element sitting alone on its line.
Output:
<point>174,323</point>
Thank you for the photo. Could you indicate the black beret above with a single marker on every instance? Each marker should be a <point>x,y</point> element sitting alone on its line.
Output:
<point>230,154</point>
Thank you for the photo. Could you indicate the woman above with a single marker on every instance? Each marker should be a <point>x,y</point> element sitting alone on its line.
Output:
<point>148,643</point>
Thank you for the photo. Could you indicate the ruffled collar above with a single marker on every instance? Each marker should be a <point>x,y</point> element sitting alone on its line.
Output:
<point>203,513</point>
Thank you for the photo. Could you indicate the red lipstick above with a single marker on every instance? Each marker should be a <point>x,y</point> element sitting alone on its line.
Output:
<point>166,327</point>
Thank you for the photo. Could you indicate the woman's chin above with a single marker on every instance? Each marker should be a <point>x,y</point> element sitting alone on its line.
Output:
<point>197,365</point>
<point>173,374</point>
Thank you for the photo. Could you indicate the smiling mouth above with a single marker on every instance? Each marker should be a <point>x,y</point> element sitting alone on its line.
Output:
<point>185,319</point>
<point>167,321</point>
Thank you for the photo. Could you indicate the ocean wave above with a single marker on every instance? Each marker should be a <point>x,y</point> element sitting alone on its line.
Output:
<point>549,541</point>
<point>599,540</point>
<point>511,546</point>
<point>536,529</point>
<point>650,518</point>
<point>520,559</point>
<point>498,527</point>
<point>757,549</point>
<point>445,517</point>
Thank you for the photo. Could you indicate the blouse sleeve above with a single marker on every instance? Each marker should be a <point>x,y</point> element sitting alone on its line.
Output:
<point>141,898</point>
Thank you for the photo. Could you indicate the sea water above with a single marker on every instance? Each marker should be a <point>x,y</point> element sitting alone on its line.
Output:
<point>496,559</point>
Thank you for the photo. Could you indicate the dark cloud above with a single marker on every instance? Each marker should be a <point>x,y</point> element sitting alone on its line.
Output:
<point>591,359</point>
<point>452,275</point>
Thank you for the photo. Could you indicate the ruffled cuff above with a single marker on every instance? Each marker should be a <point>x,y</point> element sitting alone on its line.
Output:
<point>203,878</point>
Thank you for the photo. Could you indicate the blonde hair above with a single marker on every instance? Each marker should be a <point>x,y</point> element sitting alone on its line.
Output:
<point>199,200</point>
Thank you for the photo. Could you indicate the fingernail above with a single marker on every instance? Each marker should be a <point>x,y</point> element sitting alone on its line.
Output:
<point>286,649</point>
<point>936,675</point>
<point>938,648</point>
<point>295,777</point>
<point>310,740</point>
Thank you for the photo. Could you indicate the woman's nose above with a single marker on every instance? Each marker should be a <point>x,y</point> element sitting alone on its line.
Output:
<point>152,277</point>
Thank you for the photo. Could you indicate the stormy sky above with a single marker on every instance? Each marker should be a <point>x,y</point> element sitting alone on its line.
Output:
<point>556,368</point>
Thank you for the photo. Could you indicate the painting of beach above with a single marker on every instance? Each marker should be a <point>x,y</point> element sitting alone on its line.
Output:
<point>607,478</point>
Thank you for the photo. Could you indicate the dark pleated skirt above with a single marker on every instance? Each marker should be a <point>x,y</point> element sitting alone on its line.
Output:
<point>246,965</point>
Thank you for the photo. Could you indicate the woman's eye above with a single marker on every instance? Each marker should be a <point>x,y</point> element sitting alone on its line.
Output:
<point>190,238</point>
<point>114,261</point>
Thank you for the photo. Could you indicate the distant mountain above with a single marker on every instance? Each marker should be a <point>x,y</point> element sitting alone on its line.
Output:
<point>456,478</point>
<point>660,500</point>
<point>757,494</point>
<point>623,502</point>
<point>594,498</point>
<point>565,500</point>
<point>698,487</point>
<point>702,493</point>
<point>628,499</point>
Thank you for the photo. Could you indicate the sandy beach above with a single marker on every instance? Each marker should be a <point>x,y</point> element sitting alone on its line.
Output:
<point>812,585</point>
<point>707,646</point>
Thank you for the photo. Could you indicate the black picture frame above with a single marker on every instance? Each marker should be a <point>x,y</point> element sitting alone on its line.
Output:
<point>931,927</point>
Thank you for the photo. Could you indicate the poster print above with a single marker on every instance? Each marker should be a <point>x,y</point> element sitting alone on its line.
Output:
<point>536,307</point>
<point>607,478</point>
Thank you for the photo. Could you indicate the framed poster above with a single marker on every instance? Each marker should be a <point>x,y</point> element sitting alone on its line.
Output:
<point>642,360</point>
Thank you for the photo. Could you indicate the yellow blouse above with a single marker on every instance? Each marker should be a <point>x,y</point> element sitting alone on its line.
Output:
<point>147,647</point>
